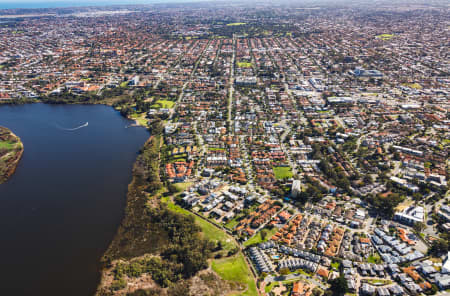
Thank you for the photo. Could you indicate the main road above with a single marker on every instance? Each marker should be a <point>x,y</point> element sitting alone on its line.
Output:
<point>231,88</point>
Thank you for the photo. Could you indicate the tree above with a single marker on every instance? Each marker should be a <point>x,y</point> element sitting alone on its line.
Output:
<point>434,289</point>
<point>284,271</point>
<point>418,227</point>
<point>367,179</point>
<point>180,288</point>
<point>172,188</point>
<point>438,247</point>
<point>155,291</point>
<point>125,111</point>
<point>417,196</point>
<point>339,285</point>
<point>263,234</point>
<point>317,292</point>
<point>386,204</point>
<point>118,284</point>
<point>232,252</point>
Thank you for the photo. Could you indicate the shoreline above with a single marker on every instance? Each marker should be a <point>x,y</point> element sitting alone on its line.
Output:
<point>138,236</point>
<point>10,102</point>
<point>133,196</point>
<point>133,123</point>
<point>12,165</point>
<point>136,202</point>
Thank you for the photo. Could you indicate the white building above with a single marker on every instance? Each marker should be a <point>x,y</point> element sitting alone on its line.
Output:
<point>404,183</point>
<point>444,212</point>
<point>446,264</point>
<point>410,215</point>
<point>296,188</point>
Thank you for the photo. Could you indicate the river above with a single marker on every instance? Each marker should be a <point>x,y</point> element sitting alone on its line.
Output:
<point>61,208</point>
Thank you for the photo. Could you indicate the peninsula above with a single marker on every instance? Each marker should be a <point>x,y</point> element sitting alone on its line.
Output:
<point>11,150</point>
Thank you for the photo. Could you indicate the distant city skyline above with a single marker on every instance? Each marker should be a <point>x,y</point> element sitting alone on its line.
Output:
<point>9,4</point>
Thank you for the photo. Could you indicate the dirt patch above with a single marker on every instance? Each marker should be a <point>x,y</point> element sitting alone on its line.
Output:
<point>204,283</point>
<point>207,282</point>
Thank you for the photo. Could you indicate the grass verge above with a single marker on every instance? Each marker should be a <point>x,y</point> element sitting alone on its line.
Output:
<point>235,269</point>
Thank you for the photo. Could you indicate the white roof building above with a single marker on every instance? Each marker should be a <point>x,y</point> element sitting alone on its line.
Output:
<point>446,264</point>
<point>411,215</point>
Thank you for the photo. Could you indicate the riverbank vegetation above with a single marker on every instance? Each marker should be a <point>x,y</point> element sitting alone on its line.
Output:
<point>208,231</point>
<point>160,248</point>
<point>156,242</point>
<point>132,102</point>
<point>11,150</point>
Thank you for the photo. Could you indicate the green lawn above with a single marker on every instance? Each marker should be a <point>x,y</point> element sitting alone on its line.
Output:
<point>216,149</point>
<point>244,65</point>
<point>163,104</point>
<point>282,172</point>
<point>233,222</point>
<point>124,84</point>
<point>375,258</point>
<point>236,24</point>
<point>270,286</point>
<point>7,145</point>
<point>304,272</point>
<point>413,85</point>
<point>256,239</point>
<point>140,118</point>
<point>178,160</point>
<point>379,282</point>
<point>335,265</point>
<point>235,269</point>
<point>179,157</point>
<point>209,231</point>
<point>385,36</point>
<point>182,186</point>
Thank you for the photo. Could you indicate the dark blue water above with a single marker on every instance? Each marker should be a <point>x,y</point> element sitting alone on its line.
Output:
<point>61,208</point>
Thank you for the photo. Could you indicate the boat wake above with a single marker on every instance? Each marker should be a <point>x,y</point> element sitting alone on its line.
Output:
<point>74,129</point>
